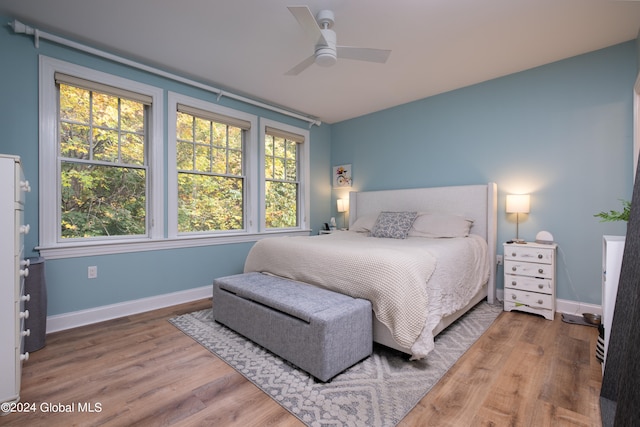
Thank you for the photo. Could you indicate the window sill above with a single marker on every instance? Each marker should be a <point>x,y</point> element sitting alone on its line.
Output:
<point>76,250</point>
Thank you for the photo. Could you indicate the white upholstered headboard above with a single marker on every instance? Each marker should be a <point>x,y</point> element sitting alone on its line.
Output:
<point>475,202</point>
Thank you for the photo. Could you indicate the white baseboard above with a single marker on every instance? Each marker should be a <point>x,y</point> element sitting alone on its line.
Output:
<point>60,322</point>
<point>566,306</point>
<point>576,307</point>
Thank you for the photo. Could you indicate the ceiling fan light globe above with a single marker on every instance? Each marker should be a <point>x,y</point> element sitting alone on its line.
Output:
<point>326,57</point>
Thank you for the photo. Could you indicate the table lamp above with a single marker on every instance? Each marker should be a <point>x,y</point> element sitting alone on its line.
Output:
<point>518,203</point>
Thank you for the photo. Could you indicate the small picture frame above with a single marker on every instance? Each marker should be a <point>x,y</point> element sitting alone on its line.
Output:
<point>342,176</point>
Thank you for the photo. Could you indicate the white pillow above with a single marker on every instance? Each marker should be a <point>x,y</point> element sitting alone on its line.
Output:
<point>364,224</point>
<point>438,225</point>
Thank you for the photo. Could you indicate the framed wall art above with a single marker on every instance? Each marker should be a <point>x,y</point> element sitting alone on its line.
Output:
<point>342,176</point>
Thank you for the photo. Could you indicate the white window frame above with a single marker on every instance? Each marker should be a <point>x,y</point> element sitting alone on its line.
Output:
<point>163,230</point>
<point>249,158</point>
<point>49,183</point>
<point>303,170</point>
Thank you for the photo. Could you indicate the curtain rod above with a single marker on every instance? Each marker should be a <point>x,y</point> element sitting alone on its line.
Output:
<point>20,28</point>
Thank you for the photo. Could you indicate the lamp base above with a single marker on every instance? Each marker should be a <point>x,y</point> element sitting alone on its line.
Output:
<point>519,241</point>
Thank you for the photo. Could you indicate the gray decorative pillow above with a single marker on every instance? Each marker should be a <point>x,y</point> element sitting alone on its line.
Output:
<point>394,225</point>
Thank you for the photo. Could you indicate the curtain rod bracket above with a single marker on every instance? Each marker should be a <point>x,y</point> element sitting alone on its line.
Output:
<point>20,28</point>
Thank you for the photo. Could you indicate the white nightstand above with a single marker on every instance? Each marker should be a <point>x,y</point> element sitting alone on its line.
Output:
<point>530,278</point>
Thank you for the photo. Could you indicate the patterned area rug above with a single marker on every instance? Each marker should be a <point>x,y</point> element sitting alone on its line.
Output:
<point>378,391</point>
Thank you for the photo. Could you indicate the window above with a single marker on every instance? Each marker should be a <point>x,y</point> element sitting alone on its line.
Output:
<point>102,136</point>
<point>102,164</point>
<point>229,176</point>
<point>281,178</point>
<point>209,162</point>
<point>100,159</point>
<point>212,169</point>
<point>285,172</point>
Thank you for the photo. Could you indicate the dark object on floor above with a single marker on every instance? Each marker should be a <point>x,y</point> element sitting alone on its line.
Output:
<point>594,319</point>
<point>576,320</point>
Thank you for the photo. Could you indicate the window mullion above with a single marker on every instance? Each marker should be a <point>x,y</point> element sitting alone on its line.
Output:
<point>226,151</point>
<point>211,155</point>
<point>119,130</point>
<point>90,125</point>
<point>193,142</point>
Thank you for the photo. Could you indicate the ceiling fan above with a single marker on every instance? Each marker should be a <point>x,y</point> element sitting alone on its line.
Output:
<point>326,52</point>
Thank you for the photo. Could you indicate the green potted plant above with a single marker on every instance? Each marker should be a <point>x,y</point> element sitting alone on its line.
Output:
<point>612,216</point>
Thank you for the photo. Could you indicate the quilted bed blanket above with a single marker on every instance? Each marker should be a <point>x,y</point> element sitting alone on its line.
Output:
<point>391,273</point>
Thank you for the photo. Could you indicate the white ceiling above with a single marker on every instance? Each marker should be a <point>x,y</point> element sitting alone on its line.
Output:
<point>246,46</point>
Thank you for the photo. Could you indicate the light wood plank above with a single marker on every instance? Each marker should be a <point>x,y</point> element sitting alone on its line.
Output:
<point>524,371</point>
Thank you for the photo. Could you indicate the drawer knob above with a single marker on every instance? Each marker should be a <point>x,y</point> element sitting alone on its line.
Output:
<point>539,256</point>
<point>514,283</point>
<point>540,270</point>
<point>513,254</point>
<point>25,186</point>
<point>513,297</point>
<point>539,301</point>
<point>514,268</point>
<point>540,286</point>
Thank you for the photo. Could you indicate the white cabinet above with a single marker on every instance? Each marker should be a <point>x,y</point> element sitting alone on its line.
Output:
<point>612,250</point>
<point>13,270</point>
<point>530,278</point>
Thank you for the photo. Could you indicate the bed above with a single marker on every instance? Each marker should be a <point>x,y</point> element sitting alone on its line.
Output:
<point>417,285</point>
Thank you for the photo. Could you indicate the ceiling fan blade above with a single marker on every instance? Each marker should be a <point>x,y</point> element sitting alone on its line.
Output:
<point>307,21</point>
<point>363,54</point>
<point>301,66</point>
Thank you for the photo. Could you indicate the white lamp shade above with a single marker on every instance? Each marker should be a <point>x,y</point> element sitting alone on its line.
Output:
<point>518,203</point>
<point>343,205</point>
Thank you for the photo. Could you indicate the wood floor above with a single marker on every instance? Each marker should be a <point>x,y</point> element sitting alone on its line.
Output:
<point>140,370</point>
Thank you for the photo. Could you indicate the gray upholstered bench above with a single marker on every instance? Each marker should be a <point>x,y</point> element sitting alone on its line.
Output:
<point>320,331</point>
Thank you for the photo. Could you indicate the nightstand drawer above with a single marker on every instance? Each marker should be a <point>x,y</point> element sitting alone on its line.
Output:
<point>530,284</point>
<point>531,299</point>
<point>528,253</point>
<point>528,269</point>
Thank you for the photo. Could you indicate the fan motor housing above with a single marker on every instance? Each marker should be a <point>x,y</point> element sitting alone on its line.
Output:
<point>326,54</point>
<point>325,19</point>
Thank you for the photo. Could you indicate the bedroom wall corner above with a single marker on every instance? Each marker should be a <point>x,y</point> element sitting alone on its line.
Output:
<point>561,132</point>
<point>135,275</point>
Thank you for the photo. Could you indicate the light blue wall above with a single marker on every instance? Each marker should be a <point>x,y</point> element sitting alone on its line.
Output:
<point>136,275</point>
<point>561,132</point>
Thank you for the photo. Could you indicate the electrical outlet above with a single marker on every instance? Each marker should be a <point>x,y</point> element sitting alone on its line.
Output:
<point>92,272</point>
<point>499,259</point>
